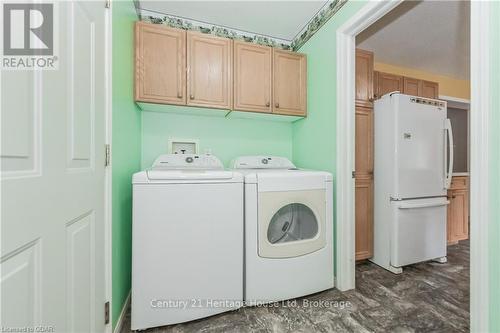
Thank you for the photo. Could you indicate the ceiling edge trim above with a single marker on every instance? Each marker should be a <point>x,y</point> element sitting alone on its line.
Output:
<point>189,24</point>
<point>316,23</point>
<point>213,29</point>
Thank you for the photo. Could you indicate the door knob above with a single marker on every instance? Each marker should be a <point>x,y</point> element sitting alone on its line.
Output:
<point>179,95</point>
<point>267,104</point>
<point>191,96</point>
<point>277,105</point>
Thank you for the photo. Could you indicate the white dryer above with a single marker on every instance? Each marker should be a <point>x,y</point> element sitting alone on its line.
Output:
<point>187,236</point>
<point>288,229</point>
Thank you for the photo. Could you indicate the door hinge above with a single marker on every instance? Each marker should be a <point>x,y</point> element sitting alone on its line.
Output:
<point>107,154</point>
<point>108,4</point>
<point>106,313</point>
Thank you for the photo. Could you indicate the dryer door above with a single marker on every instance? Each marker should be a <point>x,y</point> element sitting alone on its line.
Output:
<point>291,223</point>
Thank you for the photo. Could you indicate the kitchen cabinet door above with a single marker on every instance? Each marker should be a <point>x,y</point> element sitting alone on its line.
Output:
<point>364,142</point>
<point>430,89</point>
<point>387,83</point>
<point>364,182</point>
<point>364,219</point>
<point>209,70</point>
<point>252,77</point>
<point>458,216</point>
<point>289,83</point>
<point>458,209</point>
<point>412,86</point>
<point>160,55</point>
<point>364,78</point>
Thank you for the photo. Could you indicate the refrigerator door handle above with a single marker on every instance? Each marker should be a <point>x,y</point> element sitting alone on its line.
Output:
<point>449,148</point>
<point>423,205</point>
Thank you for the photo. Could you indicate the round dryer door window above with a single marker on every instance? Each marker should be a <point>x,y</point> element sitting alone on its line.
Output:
<point>292,222</point>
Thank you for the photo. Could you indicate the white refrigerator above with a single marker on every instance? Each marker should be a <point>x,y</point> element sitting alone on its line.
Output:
<point>412,174</point>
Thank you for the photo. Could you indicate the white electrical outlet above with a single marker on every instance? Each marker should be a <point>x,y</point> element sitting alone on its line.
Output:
<point>183,146</point>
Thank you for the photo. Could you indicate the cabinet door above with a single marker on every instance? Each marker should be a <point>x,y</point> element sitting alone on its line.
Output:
<point>458,215</point>
<point>160,55</point>
<point>364,142</point>
<point>412,86</point>
<point>252,77</point>
<point>430,89</point>
<point>364,78</point>
<point>364,182</point>
<point>387,83</point>
<point>289,83</point>
<point>209,65</point>
<point>364,219</point>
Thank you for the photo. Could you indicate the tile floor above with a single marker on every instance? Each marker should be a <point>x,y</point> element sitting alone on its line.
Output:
<point>426,297</point>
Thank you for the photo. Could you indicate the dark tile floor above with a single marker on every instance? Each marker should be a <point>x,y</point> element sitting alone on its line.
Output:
<point>427,297</point>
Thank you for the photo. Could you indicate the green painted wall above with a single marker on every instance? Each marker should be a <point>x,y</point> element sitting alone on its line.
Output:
<point>126,150</point>
<point>314,141</point>
<point>311,141</point>
<point>225,137</point>
<point>494,230</point>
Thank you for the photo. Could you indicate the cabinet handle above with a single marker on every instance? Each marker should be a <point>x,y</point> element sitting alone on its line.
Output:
<point>179,95</point>
<point>191,96</point>
<point>277,105</point>
<point>267,104</point>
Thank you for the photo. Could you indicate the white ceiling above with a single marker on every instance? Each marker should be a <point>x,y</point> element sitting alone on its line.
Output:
<point>280,19</point>
<point>427,35</point>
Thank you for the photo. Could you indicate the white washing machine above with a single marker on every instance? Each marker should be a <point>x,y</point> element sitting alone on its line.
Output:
<point>288,229</point>
<point>187,236</point>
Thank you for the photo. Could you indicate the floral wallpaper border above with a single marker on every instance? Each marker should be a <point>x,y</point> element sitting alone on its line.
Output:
<point>316,23</point>
<point>312,27</point>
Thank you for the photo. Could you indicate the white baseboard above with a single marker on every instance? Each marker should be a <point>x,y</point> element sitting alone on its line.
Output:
<point>121,318</point>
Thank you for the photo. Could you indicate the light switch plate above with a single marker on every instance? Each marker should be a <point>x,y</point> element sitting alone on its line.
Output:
<point>183,146</point>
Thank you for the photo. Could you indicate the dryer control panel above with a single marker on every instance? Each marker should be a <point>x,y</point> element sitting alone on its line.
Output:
<point>262,162</point>
<point>188,161</point>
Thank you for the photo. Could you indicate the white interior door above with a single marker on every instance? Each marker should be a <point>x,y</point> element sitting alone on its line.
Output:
<point>52,195</point>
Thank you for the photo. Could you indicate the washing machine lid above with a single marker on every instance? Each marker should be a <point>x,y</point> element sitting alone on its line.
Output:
<point>186,168</point>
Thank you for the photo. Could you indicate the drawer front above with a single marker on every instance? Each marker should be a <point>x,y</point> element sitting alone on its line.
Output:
<point>461,182</point>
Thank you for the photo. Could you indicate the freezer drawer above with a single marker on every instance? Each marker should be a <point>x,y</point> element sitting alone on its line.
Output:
<point>419,231</point>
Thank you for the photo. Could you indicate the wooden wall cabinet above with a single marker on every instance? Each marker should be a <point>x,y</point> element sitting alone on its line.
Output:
<point>252,77</point>
<point>412,86</point>
<point>430,89</point>
<point>209,70</point>
<point>386,83</point>
<point>160,63</point>
<point>173,66</point>
<point>458,210</point>
<point>364,78</point>
<point>289,83</point>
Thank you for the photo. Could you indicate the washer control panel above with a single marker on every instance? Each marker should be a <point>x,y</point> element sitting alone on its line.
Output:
<point>188,161</point>
<point>262,162</point>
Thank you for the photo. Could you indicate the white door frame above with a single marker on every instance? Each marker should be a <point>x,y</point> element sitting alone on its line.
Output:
<point>108,207</point>
<point>479,156</point>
